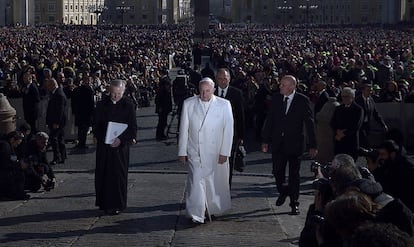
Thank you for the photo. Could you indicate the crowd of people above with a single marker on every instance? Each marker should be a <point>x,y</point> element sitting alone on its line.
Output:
<point>341,73</point>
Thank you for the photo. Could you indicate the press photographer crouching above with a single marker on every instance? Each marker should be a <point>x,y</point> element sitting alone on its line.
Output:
<point>12,176</point>
<point>395,171</point>
<point>340,198</point>
<point>39,173</point>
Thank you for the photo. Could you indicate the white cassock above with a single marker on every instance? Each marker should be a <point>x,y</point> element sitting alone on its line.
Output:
<point>206,131</point>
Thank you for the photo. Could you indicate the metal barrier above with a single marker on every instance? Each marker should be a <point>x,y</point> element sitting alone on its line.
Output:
<point>399,116</point>
<point>70,129</point>
<point>396,115</point>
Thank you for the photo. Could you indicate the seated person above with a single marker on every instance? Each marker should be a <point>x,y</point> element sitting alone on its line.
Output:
<point>39,173</point>
<point>12,177</point>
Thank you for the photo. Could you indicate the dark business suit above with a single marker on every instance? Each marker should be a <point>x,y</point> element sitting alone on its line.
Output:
<point>350,119</point>
<point>285,134</point>
<point>31,100</point>
<point>235,96</point>
<point>370,112</point>
<point>163,107</point>
<point>56,114</point>
<point>82,107</point>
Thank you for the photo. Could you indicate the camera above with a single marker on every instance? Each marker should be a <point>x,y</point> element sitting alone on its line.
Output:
<point>317,219</point>
<point>324,168</point>
<point>368,153</point>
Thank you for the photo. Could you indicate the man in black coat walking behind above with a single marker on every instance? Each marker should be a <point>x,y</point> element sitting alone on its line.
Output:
<point>82,107</point>
<point>56,116</point>
<point>346,123</point>
<point>235,96</point>
<point>31,100</point>
<point>163,106</point>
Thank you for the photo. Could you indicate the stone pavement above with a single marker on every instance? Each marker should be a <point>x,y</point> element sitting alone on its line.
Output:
<point>155,216</point>
<point>67,217</point>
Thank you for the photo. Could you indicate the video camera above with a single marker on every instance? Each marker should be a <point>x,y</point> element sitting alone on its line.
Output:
<point>325,168</point>
<point>368,153</point>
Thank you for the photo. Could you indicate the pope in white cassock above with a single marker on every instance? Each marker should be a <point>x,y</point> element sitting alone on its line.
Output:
<point>205,140</point>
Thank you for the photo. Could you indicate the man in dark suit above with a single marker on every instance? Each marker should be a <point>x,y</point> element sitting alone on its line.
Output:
<point>56,120</point>
<point>163,106</point>
<point>31,100</point>
<point>235,96</point>
<point>370,112</point>
<point>322,96</point>
<point>346,123</point>
<point>82,107</point>
<point>283,129</point>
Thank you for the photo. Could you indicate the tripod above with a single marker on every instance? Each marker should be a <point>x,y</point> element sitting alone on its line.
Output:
<point>173,128</point>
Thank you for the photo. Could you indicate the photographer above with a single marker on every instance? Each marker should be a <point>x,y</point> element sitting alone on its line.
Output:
<point>12,177</point>
<point>395,172</point>
<point>314,217</point>
<point>345,175</point>
<point>39,173</point>
<point>163,106</point>
<point>180,88</point>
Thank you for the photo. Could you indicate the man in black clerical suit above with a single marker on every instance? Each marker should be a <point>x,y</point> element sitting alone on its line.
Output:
<point>346,123</point>
<point>56,117</point>
<point>112,160</point>
<point>367,103</point>
<point>283,129</point>
<point>235,96</point>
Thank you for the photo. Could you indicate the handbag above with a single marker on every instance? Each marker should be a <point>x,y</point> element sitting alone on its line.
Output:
<point>239,163</point>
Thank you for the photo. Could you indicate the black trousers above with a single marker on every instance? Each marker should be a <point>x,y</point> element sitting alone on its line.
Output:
<point>82,134</point>
<point>57,142</point>
<point>363,135</point>
<point>162,124</point>
<point>291,187</point>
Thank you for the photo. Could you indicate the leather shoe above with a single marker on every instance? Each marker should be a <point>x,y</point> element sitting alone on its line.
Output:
<point>294,211</point>
<point>112,212</point>
<point>281,199</point>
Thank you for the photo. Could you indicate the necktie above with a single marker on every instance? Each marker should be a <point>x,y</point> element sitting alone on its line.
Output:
<point>222,93</point>
<point>285,103</point>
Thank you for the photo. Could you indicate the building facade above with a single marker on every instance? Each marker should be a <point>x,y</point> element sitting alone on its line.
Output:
<point>328,12</point>
<point>16,12</point>
<point>145,11</point>
<point>93,12</point>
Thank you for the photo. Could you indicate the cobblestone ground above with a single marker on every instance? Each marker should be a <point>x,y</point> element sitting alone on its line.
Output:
<point>66,216</point>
